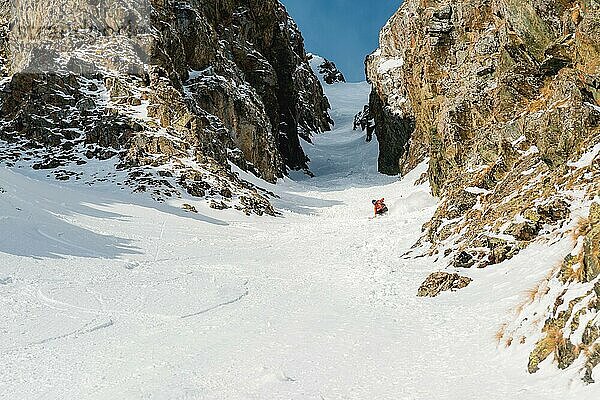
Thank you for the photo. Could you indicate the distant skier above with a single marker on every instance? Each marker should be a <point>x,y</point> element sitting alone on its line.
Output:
<point>380,207</point>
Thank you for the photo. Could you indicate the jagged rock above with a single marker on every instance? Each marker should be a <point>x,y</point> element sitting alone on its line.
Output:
<point>464,260</point>
<point>590,334</point>
<point>450,84</point>
<point>591,245</point>
<point>226,193</point>
<point>564,320</point>
<point>524,231</point>
<point>196,189</point>
<point>47,164</point>
<point>553,343</point>
<point>556,210</point>
<point>463,202</point>
<point>500,250</point>
<point>503,99</point>
<point>590,365</point>
<point>441,26</point>
<point>218,205</point>
<point>442,281</point>
<point>594,217</point>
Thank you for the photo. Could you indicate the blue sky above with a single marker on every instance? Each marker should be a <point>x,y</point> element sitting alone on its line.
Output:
<point>344,31</point>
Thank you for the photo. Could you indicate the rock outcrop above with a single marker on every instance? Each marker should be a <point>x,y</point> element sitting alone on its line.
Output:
<point>459,82</point>
<point>502,97</point>
<point>179,88</point>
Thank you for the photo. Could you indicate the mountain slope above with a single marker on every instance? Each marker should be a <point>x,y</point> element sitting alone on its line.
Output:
<point>113,296</point>
<point>174,90</point>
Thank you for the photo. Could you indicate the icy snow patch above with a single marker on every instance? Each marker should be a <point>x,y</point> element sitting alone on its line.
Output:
<point>477,190</point>
<point>390,64</point>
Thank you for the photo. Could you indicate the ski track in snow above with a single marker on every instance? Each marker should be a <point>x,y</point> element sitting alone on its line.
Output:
<point>105,296</point>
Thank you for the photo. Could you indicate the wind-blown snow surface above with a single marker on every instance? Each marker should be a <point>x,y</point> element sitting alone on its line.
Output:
<point>106,296</point>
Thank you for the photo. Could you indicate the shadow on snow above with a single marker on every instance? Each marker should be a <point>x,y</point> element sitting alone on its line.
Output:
<point>36,220</point>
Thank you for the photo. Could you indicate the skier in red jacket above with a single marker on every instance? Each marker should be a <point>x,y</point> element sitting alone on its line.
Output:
<point>380,207</point>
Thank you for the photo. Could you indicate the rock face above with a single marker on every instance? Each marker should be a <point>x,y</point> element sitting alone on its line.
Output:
<point>502,98</point>
<point>571,325</point>
<point>460,81</point>
<point>183,87</point>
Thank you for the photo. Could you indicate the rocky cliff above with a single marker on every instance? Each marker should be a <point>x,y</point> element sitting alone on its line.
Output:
<point>502,97</point>
<point>173,91</point>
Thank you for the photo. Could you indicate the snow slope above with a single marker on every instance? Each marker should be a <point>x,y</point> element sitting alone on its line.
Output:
<point>104,295</point>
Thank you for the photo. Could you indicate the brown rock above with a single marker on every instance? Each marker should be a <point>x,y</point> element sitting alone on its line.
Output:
<point>442,281</point>
<point>524,231</point>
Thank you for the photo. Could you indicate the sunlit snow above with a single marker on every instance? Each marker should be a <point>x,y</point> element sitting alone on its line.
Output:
<point>107,295</point>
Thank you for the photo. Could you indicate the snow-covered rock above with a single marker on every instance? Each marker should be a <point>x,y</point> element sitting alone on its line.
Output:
<point>178,88</point>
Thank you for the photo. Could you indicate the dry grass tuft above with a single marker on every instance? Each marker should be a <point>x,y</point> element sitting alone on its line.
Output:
<point>500,333</point>
<point>509,342</point>
<point>575,275</point>
<point>536,292</point>
<point>554,339</point>
<point>520,308</point>
<point>531,294</point>
<point>581,229</point>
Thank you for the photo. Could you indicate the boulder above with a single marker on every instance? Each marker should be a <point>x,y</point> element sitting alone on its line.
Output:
<point>218,205</point>
<point>442,281</point>
<point>464,260</point>
<point>189,208</point>
<point>554,211</point>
